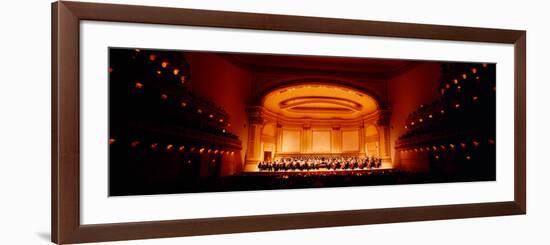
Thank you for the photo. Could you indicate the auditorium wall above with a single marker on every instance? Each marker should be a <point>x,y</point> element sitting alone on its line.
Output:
<point>227,85</point>
<point>406,93</point>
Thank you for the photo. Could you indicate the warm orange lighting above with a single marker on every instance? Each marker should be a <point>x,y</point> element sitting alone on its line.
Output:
<point>152,57</point>
<point>211,116</point>
<point>137,50</point>
<point>201,150</point>
<point>457,106</point>
<point>154,146</point>
<point>164,64</point>
<point>183,104</point>
<point>163,96</point>
<point>159,72</point>
<point>437,157</point>
<point>216,152</point>
<point>474,98</point>
<point>474,70</point>
<point>462,145</point>
<point>420,120</point>
<point>452,146</point>
<point>468,157</point>
<point>412,123</point>
<point>112,141</point>
<point>406,127</point>
<point>442,111</point>
<point>176,71</point>
<point>183,79</point>
<point>434,147</point>
<point>475,143</point>
<point>477,77</point>
<point>181,148</point>
<point>199,111</point>
<point>485,65</point>
<point>139,85</point>
<point>209,150</point>
<point>169,147</point>
<point>232,153</point>
<point>455,81</point>
<point>221,120</point>
<point>430,116</point>
<point>443,147</point>
<point>134,143</point>
<point>464,76</point>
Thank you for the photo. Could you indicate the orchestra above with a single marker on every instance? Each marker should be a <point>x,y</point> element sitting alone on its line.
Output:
<point>315,163</point>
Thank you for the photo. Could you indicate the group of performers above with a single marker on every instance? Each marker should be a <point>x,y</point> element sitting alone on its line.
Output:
<point>320,163</point>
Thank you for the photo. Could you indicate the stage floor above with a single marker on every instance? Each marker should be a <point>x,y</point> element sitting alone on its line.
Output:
<point>324,172</point>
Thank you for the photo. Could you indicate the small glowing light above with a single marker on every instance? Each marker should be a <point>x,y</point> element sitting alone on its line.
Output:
<point>176,71</point>
<point>442,111</point>
<point>421,149</point>
<point>112,141</point>
<point>134,143</point>
<point>421,106</point>
<point>475,98</point>
<point>464,76</point>
<point>477,77</point>
<point>406,127</point>
<point>448,85</point>
<point>485,65</point>
<point>468,157</point>
<point>211,116</point>
<point>181,148</point>
<point>430,116</point>
<point>169,147</point>
<point>455,81</point>
<point>221,120</point>
<point>216,152</point>
<point>437,157</point>
<point>443,147</point>
<point>221,152</point>
<point>491,141</point>
<point>152,57</point>
<point>474,70</point>
<point>457,106</point>
<point>232,152</point>
<point>459,87</point>
<point>427,148</point>
<point>463,145</point>
<point>415,149</point>
<point>209,150</point>
<point>139,85</point>
<point>192,149</point>
<point>412,123</point>
<point>223,131</point>
<point>199,111</point>
<point>159,72</point>
<point>154,146</point>
<point>452,146</point>
<point>183,79</point>
<point>420,120</point>
<point>434,147</point>
<point>201,150</point>
<point>183,104</point>
<point>475,143</point>
<point>442,91</point>
<point>229,125</point>
<point>164,64</point>
<point>164,96</point>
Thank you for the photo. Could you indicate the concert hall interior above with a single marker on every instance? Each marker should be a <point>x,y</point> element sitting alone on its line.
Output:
<point>191,121</point>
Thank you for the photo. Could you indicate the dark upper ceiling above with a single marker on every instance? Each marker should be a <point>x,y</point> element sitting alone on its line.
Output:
<point>293,63</point>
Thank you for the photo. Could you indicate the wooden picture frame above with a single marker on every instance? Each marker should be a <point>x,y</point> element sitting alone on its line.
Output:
<point>66,226</point>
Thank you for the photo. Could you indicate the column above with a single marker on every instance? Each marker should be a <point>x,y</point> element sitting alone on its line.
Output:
<point>383,126</point>
<point>279,136</point>
<point>306,139</point>
<point>336,138</point>
<point>362,139</point>
<point>255,125</point>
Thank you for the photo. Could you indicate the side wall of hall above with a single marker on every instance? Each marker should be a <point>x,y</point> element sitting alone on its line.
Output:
<point>228,86</point>
<point>406,93</point>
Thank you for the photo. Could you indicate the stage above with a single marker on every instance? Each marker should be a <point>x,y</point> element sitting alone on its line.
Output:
<point>319,172</point>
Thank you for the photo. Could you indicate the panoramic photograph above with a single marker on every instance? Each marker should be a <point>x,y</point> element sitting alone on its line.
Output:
<point>196,121</point>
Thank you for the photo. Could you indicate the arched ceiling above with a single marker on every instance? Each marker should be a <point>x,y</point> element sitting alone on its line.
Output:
<point>319,101</point>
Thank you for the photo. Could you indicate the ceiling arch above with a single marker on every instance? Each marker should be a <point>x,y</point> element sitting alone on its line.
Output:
<point>319,101</point>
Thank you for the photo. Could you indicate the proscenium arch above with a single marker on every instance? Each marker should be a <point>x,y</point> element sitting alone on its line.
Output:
<point>260,95</point>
